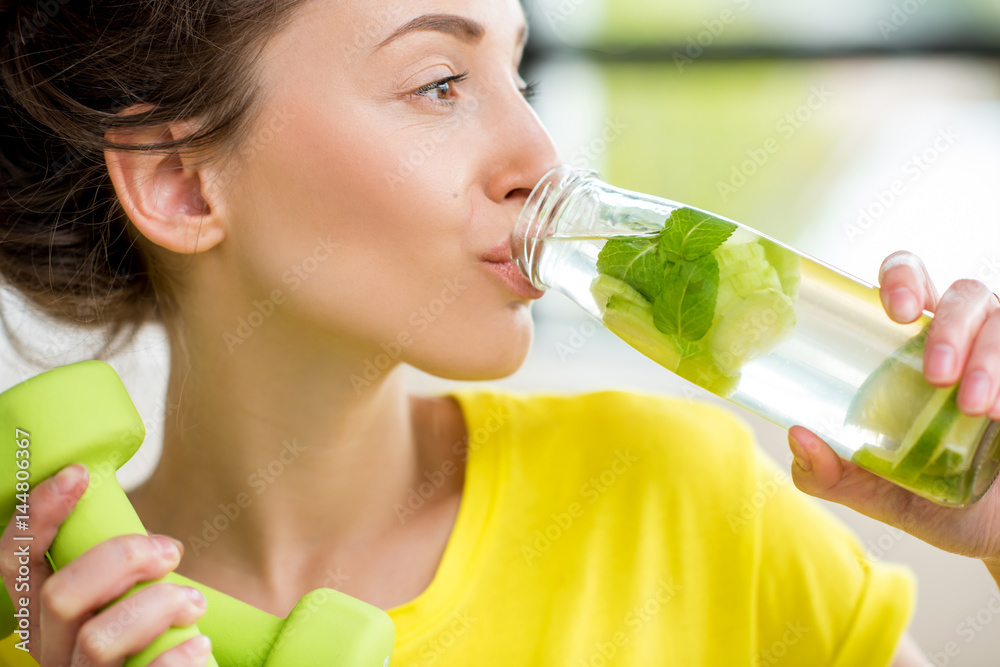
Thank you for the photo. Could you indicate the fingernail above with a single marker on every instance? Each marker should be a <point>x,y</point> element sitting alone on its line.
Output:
<point>197,597</point>
<point>199,647</point>
<point>180,545</point>
<point>974,390</point>
<point>941,364</point>
<point>903,302</point>
<point>168,549</point>
<point>67,478</point>
<point>801,458</point>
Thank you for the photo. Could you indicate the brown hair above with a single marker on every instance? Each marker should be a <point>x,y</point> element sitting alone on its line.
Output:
<point>67,71</point>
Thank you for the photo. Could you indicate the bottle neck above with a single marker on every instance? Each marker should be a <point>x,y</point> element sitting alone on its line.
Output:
<point>540,216</point>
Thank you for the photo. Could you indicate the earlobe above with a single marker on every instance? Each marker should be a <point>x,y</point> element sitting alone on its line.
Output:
<point>163,194</point>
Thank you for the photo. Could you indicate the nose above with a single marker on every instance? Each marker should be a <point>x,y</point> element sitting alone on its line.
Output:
<point>522,151</point>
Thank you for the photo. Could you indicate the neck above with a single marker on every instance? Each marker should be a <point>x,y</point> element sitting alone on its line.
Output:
<point>273,461</point>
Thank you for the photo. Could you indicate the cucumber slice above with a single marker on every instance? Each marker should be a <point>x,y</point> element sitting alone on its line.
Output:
<point>750,327</point>
<point>604,287</point>
<point>633,323</point>
<point>701,369</point>
<point>926,438</point>
<point>787,264</point>
<point>743,270</point>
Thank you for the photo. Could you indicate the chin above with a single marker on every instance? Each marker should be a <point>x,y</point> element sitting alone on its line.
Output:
<point>485,355</point>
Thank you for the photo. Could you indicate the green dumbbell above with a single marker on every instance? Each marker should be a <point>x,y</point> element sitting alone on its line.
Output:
<point>82,412</point>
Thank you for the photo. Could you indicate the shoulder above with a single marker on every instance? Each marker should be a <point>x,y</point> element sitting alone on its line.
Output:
<point>690,442</point>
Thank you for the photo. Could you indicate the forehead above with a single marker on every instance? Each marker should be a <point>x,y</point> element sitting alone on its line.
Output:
<point>356,26</point>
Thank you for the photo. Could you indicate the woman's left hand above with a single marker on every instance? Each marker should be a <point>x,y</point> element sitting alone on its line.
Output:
<point>963,343</point>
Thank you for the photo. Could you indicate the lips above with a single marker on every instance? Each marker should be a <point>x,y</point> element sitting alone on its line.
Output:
<point>511,276</point>
<point>498,261</point>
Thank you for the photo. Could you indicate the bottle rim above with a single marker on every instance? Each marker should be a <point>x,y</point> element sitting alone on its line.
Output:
<point>538,213</point>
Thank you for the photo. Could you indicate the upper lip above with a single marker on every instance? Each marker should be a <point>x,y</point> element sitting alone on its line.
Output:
<point>499,253</point>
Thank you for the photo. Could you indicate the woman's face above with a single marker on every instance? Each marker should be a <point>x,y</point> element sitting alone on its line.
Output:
<point>395,148</point>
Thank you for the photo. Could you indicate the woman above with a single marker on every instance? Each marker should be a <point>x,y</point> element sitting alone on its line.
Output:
<point>333,193</point>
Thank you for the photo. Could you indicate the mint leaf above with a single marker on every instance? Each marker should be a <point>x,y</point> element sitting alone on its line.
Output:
<point>690,234</point>
<point>636,261</point>
<point>686,304</point>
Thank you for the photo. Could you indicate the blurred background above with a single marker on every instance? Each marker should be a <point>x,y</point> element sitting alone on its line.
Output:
<point>886,119</point>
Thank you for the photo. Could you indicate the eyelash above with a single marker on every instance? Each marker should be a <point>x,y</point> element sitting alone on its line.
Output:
<point>529,91</point>
<point>440,84</point>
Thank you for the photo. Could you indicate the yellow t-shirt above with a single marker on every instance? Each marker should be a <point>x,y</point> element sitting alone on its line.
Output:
<point>615,528</point>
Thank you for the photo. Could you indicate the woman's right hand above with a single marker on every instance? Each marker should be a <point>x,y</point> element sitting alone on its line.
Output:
<point>66,625</point>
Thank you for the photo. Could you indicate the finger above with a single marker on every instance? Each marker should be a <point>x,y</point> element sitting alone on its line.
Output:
<point>130,625</point>
<point>977,395</point>
<point>95,578</point>
<point>906,289</point>
<point>194,651</point>
<point>49,503</point>
<point>834,479</point>
<point>960,315</point>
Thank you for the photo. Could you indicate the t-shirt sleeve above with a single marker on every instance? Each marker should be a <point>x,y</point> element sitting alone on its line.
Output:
<point>821,600</point>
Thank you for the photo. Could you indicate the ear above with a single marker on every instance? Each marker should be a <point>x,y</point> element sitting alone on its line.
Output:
<point>165,194</point>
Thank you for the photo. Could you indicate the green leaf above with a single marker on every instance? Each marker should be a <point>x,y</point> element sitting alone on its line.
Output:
<point>689,235</point>
<point>685,306</point>
<point>636,261</point>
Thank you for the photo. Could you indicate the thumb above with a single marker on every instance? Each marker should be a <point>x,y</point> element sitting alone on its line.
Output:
<point>818,471</point>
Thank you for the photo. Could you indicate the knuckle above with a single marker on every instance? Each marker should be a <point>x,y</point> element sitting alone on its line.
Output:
<point>92,642</point>
<point>55,601</point>
<point>969,288</point>
<point>135,552</point>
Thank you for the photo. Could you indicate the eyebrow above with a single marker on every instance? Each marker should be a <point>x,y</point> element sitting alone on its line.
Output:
<point>451,24</point>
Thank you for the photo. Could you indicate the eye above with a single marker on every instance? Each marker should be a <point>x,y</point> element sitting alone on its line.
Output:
<point>441,91</point>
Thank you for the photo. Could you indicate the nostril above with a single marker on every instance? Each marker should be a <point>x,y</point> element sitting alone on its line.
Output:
<point>519,194</point>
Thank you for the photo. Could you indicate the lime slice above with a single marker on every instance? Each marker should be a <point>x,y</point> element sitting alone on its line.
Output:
<point>926,438</point>
<point>889,399</point>
<point>876,459</point>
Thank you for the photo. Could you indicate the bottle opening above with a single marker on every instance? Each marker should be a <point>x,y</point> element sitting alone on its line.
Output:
<point>539,214</point>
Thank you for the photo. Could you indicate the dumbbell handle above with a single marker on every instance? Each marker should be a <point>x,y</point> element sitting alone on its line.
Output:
<point>101,513</point>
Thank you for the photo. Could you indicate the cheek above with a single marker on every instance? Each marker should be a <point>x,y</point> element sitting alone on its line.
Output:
<point>361,229</point>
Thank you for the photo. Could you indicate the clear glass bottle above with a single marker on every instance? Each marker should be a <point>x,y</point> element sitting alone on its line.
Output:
<point>754,321</point>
